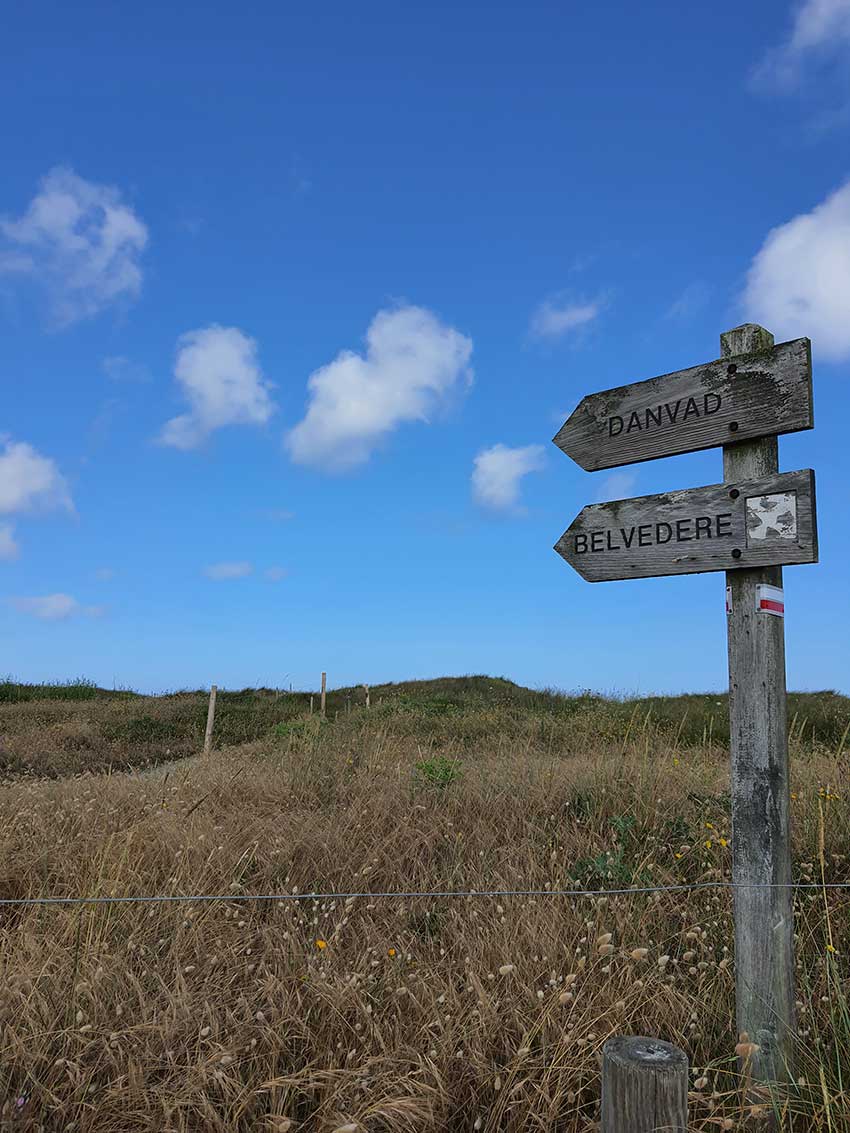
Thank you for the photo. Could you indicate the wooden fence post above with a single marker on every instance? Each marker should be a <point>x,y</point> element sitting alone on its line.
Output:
<point>311,704</point>
<point>210,721</point>
<point>324,688</point>
<point>368,702</point>
<point>761,852</point>
<point>644,1086</point>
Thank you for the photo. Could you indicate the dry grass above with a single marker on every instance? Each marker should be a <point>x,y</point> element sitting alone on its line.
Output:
<point>390,1013</point>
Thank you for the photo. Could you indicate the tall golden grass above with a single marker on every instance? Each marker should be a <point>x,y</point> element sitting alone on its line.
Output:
<point>394,1013</point>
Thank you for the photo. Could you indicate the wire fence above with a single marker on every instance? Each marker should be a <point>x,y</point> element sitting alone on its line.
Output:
<point>167,898</point>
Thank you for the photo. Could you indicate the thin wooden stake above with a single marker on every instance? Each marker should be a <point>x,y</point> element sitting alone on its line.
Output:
<point>324,692</point>
<point>311,705</point>
<point>210,721</point>
<point>644,1086</point>
<point>761,845</point>
<point>368,702</point>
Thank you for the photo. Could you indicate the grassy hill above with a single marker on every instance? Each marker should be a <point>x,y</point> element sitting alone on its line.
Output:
<point>60,729</point>
<point>448,985</point>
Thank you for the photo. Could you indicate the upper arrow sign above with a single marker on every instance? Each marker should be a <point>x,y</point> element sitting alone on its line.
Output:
<point>732,399</point>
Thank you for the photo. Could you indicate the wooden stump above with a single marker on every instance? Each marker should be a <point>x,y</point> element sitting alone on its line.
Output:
<point>644,1086</point>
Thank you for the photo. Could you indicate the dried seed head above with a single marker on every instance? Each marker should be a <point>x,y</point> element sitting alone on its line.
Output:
<point>747,1050</point>
<point>639,953</point>
<point>506,969</point>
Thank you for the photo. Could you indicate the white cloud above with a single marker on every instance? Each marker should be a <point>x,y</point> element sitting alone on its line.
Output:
<point>218,371</point>
<point>79,241</point>
<point>29,481</point>
<point>9,549</point>
<point>497,472</point>
<point>222,571</point>
<point>411,364</point>
<point>553,319</point>
<point>276,573</point>
<point>616,486</point>
<point>55,607</point>
<point>820,27</point>
<point>799,281</point>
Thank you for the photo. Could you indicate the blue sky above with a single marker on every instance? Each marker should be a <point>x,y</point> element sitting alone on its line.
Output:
<point>293,299</point>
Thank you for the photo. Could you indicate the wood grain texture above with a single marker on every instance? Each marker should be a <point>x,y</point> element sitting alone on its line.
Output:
<point>695,530</point>
<point>644,1087</point>
<point>759,392</point>
<point>761,853</point>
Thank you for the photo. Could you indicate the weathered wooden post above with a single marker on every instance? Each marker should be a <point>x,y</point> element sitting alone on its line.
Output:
<point>644,1086</point>
<point>311,704</point>
<point>324,692</point>
<point>210,721</point>
<point>761,844</point>
<point>750,526</point>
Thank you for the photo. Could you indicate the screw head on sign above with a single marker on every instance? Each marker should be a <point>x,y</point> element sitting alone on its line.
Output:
<point>732,368</point>
<point>733,426</point>
<point>736,554</point>
<point>734,493</point>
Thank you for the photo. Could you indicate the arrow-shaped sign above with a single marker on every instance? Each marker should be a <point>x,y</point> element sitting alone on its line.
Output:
<point>753,523</point>
<point>718,403</point>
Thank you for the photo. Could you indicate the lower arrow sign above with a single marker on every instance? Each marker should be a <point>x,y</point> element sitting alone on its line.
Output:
<point>769,522</point>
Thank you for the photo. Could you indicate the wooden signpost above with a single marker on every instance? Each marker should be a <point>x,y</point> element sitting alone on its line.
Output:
<point>746,524</point>
<point>751,525</point>
<point>754,394</point>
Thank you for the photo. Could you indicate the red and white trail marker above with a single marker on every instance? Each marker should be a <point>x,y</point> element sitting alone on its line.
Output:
<point>770,600</point>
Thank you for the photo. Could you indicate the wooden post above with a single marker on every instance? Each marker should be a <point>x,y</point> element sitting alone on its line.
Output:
<point>366,688</point>
<point>311,704</point>
<point>761,851</point>
<point>210,720</point>
<point>324,693</point>
<point>644,1086</point>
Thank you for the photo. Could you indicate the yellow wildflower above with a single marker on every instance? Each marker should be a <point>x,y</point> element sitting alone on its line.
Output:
<point>320,944</point>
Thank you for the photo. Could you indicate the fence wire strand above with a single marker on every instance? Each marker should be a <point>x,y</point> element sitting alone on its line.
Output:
<point>166,898</point>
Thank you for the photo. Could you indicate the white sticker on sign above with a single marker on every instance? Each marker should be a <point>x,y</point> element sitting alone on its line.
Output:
<point>770,600</point>
<point>728,599</point>
<point>772,518</point>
